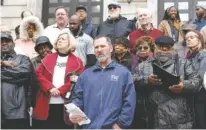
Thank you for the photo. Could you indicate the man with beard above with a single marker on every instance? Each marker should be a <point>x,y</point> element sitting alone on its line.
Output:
<point>121,52</point>
<point>115,25</point>
<point>61,25</point>
<point>15,86</point>
<point>87,27</point>
<point>169,107</point>
<point>109,89</point>
<point>201,16</point>
<point>84,47</point>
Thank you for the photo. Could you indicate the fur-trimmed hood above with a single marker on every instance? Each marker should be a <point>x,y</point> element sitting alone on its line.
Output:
<point>24,24</point>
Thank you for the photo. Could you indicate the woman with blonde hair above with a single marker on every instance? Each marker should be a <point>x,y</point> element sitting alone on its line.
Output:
<point>55,75</point>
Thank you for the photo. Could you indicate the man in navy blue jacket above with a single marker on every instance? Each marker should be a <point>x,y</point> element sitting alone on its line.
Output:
<point>105,91</point>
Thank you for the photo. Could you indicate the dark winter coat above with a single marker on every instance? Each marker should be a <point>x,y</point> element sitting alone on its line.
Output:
<point>164,108</point>
<point>15,87</point>
<point>115,28</point>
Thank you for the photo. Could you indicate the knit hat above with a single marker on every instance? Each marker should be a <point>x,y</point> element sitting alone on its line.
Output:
<point>201,5</point>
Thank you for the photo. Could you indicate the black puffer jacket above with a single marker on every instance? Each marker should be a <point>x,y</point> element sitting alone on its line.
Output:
<point>115,28</point>
<point>164,108</point>
<point>16,87</point>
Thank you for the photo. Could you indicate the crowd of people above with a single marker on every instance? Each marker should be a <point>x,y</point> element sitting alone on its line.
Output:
<point>106,70</point>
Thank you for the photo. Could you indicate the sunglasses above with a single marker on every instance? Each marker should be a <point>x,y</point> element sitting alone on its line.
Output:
<point>112,7</point>
<point>144,48</point>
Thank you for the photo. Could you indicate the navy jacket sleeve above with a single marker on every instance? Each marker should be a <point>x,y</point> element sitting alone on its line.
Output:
<point>129,102</point>
<point>77,97</point>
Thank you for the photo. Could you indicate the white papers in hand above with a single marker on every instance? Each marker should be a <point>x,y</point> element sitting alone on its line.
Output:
<point>72,109</point>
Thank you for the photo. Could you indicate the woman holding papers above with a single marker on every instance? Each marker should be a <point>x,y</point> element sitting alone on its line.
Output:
<point>196,54</point>
<point>168,107</point>
<point>54,76</point>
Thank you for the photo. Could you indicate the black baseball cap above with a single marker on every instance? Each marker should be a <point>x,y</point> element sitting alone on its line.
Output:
<point>7,36</point>
<point>81,7</point>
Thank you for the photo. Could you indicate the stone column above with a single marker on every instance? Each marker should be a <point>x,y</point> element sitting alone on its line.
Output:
<point>36,7</point>
<point>152,5</point>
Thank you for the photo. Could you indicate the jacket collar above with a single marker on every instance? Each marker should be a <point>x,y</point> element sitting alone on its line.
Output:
<point>124,58</point>
<point>168,63</point>
<point>56,26</point>
<point>97,66</point>
<point>50,61</point>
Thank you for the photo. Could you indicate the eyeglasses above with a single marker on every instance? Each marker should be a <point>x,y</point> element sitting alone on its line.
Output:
<point>60,14</point>
<point>144,48</point>
<point>112,7</point>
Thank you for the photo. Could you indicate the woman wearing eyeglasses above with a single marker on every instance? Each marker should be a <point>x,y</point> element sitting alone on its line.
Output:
<point>197,55</point>
<point>144,48</point>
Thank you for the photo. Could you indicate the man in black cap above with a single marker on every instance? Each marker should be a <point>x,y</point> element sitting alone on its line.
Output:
<point>122,53</point>
<point>87,27</point>
<point>43,48</point>
<point>115,25</point>
<point>170,106</point>
<point>15,86</point>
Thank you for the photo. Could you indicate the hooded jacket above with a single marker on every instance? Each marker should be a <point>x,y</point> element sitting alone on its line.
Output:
<point>25,45</point>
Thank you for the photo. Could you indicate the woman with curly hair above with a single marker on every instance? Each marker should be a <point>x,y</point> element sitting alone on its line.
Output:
<point>144,47</point>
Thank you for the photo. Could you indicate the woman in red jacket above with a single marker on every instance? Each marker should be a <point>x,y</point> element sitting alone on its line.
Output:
<point>54,76</point>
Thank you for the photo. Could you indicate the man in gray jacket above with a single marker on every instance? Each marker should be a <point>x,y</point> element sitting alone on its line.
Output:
<point>15,86</point>
<point>168,105</point>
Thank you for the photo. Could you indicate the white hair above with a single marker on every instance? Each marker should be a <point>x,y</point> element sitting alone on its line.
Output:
<point>144,11</point>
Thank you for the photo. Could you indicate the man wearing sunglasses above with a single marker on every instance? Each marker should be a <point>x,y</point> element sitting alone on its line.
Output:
<point>168,106</point>
<point>115,25</point>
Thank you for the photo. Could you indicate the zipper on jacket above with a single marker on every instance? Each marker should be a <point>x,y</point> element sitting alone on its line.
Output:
<point>101,93</point>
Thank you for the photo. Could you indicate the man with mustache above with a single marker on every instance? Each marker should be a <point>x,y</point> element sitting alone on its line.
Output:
<point>169,107</point>
<point>115,25</point>
<point>61,25</point>
<point>84,47</point>
<point>109,89</point>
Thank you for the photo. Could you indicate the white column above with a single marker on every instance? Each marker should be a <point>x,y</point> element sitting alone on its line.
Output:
<point>105,9</point>
<point>152,5</point>
<point>36,7</point>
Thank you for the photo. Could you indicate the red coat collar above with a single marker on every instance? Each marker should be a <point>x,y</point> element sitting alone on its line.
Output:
<point>73,64</point>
